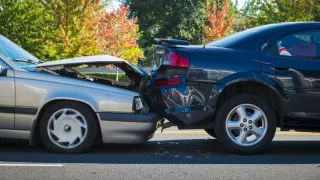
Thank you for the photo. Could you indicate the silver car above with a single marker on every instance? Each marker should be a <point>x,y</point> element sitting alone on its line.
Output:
<point>66,109</point>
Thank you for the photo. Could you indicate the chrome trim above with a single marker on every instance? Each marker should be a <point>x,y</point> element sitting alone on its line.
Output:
<point>10,64</point>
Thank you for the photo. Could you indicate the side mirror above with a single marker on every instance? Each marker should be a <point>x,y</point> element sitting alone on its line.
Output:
<point>3,71</point>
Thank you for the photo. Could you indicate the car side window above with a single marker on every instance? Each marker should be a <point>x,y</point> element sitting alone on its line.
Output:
<point>304,45</point>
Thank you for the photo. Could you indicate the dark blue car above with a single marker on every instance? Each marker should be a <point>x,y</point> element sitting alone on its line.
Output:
<point>242,87</point>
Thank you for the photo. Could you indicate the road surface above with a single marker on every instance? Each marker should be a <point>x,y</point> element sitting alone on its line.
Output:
<point>172,155</point>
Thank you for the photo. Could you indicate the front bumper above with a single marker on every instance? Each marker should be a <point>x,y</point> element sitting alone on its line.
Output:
<point>128,128</point>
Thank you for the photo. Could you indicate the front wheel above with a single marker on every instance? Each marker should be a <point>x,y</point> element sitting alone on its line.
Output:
<point>245,124</point>
<point>68,127</point>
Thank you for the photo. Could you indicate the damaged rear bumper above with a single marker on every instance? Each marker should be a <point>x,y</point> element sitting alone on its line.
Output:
<point>185,106</point>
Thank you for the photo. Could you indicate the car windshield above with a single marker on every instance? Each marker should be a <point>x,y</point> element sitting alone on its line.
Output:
<point>16,54</point>
<point>227,41</point>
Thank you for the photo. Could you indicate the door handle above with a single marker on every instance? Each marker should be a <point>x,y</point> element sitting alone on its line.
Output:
<point>281,69</point>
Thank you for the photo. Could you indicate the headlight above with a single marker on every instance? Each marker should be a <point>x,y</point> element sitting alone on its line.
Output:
<point>138,103</point>
<point>139,106</point>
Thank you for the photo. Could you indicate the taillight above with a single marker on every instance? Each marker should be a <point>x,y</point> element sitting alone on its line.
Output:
<point>175,59</point>
<point>168,81</point>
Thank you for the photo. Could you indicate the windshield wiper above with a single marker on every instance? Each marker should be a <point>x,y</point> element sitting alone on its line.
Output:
<point>26,61</point>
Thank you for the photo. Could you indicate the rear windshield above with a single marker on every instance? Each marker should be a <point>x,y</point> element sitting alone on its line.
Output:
<point>242,36</point>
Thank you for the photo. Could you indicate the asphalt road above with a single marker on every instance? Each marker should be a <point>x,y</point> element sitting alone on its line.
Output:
<point>172,155</point>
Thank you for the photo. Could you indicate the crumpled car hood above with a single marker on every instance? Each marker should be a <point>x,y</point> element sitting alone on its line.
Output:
<point>82,60</point>
<point>88,60</point>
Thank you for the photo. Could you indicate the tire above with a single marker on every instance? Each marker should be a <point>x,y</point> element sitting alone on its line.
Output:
<point>231,138</point>
<point>77,129</point>
<point>211,132</point>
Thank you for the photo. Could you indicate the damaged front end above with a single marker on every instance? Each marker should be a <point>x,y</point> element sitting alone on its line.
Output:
<point>103,70</point>
<point>107,70</point>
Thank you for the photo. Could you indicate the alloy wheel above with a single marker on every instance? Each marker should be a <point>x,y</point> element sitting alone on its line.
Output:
<point>246,125</point>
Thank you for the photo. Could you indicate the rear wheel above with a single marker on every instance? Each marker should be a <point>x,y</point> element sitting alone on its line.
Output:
<point>245,124</point>
<point>68,127</point>
<point>211,132</point>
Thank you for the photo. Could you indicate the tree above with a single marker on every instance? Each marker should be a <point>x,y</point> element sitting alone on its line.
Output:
<point>53,29</point>
<point>76,27</point>
<point>27,23</point>
<point>218,26</point>
<point>120,34</point>
<point>174,19</point>
<point>260,12</point>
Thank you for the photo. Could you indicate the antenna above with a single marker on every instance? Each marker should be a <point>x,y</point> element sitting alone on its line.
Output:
<point>202,31</point>
<point>194,7</point>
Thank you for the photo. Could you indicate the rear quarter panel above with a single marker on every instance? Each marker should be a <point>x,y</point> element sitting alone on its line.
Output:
<point>192,104</point>
<point>215,65</point>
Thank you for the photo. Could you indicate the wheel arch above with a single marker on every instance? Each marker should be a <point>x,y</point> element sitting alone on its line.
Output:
<point>35,134</point>
<point>274,95</point>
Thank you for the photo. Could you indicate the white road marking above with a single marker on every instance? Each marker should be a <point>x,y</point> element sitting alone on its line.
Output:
<point>32,165</point>
<point>203,132</point>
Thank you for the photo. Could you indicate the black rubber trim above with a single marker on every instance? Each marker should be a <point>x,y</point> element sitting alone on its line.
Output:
<point>18,110</point>
<point>6,109</point>
<point>23,110</point>
<point>128,117</point>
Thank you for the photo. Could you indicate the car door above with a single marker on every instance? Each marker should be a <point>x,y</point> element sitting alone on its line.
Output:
<point>294,62</point>
<point>7,97</point>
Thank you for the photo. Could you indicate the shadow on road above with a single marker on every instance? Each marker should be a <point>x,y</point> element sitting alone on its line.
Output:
<point>166,152</point>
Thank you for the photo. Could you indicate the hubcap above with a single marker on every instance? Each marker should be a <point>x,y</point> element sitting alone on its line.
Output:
<point>246,125</point>
<point>67,128</point>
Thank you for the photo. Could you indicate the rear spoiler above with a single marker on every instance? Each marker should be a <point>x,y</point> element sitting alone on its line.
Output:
<point>172,42</point>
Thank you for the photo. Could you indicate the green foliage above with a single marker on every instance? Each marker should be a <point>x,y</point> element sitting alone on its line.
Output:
<point>56,29</point>
<point>75,27</point>
<point>261,12</point>
<point>120,35</point>
<point>53,29</point>
<point>28,24</point>
<point>174,19</point>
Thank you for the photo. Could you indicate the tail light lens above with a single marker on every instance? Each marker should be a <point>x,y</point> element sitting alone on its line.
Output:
<point>175,59</point>
<point>168,81</point>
